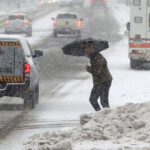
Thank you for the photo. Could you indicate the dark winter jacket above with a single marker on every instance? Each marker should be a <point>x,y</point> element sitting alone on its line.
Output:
<point>99,69</point>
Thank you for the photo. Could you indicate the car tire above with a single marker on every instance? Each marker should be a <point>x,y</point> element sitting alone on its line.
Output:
<point>79,35</point>
<point>29,100</point>
<point>6,32</point>
<point>37,95</point>
<point>134,64</point>
<point>55,35</point>
<point>29,34</point>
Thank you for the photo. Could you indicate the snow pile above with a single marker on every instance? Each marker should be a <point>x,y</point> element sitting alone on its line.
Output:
<point>47,141</point>
<point>129,121</point>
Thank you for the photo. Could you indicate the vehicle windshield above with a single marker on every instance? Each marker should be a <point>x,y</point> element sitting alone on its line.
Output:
<point>13,17</point>
<point>67,16</point>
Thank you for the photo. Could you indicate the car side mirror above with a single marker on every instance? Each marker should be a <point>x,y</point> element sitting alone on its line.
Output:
<point>37,53</point>
<point>128,26</point>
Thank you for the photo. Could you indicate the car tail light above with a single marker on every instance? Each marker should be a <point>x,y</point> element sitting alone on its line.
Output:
<point>91,0</point>
<point>6,22</point>
<point>26,21</point>
<point>55,22</point>
<point>26,68</point>
<point>79,24</point>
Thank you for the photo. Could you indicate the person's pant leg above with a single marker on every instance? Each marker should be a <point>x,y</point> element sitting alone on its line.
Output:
<point>94,98</point>
<point>105,94</point>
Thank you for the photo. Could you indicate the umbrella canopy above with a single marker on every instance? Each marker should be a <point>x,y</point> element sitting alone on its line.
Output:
<point>76,48</point>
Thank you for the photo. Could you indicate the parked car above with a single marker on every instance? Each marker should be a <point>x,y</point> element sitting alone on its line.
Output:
<point>18,24</point>
<point>67,24</point>
<point>19,70</point>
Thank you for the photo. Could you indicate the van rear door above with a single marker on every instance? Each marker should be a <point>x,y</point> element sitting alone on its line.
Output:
<point>11,61</point>
<point>148,32</point>
<point>138,21</point>
<point>16,21</point>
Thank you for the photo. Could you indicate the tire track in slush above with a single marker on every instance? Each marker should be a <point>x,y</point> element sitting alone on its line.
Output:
<point>39,124</point>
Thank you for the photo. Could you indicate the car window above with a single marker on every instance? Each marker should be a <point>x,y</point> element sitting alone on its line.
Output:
<point>67,16</point>
<point>13,17</point>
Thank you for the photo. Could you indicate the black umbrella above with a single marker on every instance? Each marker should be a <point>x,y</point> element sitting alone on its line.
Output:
<point>76,48</point>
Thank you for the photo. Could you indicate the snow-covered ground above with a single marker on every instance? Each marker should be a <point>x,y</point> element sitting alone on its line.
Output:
<point>72,100</point>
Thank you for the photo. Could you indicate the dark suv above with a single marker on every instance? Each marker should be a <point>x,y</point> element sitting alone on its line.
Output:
<point>18,70</point>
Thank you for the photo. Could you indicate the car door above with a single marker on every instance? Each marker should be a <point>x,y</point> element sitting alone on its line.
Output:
<point>11,61</point>
<point>35,66</point>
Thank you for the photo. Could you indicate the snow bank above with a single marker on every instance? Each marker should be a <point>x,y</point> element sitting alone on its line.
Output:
<point>129,121</point>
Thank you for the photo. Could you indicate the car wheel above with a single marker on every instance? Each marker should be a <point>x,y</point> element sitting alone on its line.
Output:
<point>29,100</point>
<point>55,34</point>
<point>6,32</point>
<point>37,95</point>
<point>79,35</point>
<point>134,64</point>
<point>29,34</point>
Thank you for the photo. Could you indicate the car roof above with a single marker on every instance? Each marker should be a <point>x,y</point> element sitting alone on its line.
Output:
<point>71,13</point>
<point>67,13</point>
<point>17,38</point>
<point>11,37</point>
<point>23,14</point>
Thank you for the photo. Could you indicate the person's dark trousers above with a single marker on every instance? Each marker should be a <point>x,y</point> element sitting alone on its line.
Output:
<point>101,91</point>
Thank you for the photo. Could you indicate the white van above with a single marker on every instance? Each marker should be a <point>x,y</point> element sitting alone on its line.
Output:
<point>139,37</point>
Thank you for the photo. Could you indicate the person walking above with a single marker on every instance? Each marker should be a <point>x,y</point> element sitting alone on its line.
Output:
<point>102,78</point>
